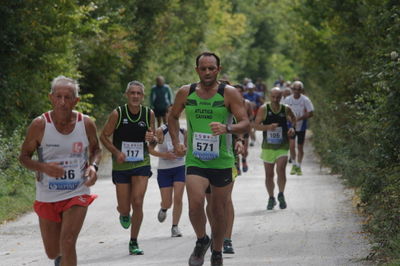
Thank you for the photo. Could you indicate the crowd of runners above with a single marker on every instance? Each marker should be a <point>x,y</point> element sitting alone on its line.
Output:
<point>205,157</point>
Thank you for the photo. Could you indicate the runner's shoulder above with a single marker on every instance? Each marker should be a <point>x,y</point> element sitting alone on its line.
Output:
<point>38,123</point>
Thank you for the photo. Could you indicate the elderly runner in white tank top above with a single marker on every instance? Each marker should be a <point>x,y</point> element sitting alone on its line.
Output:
<point>68,152</point>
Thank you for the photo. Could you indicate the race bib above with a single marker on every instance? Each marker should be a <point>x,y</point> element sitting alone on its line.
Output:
<point>72,175</point>
<point>133,151</point>
<point>275,136</point>
<point>205,146</point>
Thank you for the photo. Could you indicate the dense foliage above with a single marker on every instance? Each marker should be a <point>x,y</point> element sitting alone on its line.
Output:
<point>346,52</point>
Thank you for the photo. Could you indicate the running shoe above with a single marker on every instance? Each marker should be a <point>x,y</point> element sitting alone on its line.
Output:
<point>294,170</point>
<point>161,215</point>
<point>197,256</point>
<point>57,261</point>
<point>245,167</point>
<point>271,203</point>
<point>125,221</point>
<point>216,260</point>
<point>134,248</point>
<point>228,248</point>
<point>175,232</point>
<point>299,172</point>
<point>282,202</point>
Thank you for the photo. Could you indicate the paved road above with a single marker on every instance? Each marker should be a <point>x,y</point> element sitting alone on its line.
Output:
<point>319,227</point>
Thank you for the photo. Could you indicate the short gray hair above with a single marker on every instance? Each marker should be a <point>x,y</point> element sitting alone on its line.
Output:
<point>135,83</point>
<point>65,80</point>
<point>299,83</point>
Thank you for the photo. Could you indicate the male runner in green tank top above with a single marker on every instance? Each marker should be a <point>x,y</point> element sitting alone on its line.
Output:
<point>272,118</point>
<point>210,108</point>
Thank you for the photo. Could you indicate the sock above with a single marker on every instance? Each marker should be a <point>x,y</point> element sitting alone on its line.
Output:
<point>203,240</point>
<point>174,225</point>
<point>272,197</point>
<point>164,210</point>
<point>214,252</point>
<point>134,240</point>
<point>280,194</point>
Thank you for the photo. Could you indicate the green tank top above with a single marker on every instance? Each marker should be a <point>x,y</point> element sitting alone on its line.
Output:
<point>205,150</point>
<point>278,138</point>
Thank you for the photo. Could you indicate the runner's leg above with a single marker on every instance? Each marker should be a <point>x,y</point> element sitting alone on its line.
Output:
<point>138,190</point>
<point>196,187</point>
<point>51,237</point>
<point>123,198</point>
<point>269,178</point>
<point>219,197</point>
<point>179,187</point>
<point>281,171</point>
<point>72,222</point>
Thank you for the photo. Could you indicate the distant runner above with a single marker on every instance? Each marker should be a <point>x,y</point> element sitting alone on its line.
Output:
<point>303,109</point>
<point>160,99</point>
<point>170,175</point>
<point>272,119</point>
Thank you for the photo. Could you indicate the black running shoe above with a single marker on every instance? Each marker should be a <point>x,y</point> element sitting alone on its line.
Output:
<point>228,248</point>
<point>197,256</point>
<point>57,261</point>
<point>216,260</point>
<point>271,203</point>
<point>282,202</point>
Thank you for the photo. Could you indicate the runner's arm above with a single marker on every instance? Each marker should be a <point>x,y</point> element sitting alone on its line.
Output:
<point>173,119</point>
<point>94,151</point>
<point>107,132</point>
<point>32,141</point>
<point>260,117</point>
<point>234,102</point>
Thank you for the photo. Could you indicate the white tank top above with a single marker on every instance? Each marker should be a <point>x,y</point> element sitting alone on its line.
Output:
<point>71,152</point>
<point>167,146</point>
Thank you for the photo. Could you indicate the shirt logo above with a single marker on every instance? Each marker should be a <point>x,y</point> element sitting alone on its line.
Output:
<point>125,121</point>
<point>142,124</point>
<point>77,147</point>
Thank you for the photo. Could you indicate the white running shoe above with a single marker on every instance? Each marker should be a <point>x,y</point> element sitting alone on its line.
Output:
<point>175,232</point>
<point>162,215</point>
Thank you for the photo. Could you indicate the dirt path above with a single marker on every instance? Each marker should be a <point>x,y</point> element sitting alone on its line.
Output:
<point>319,227</point>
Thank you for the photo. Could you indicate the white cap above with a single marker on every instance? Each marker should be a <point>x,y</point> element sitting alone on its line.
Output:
<point>250,85</point>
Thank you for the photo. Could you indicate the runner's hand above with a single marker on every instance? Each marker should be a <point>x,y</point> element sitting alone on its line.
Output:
<point>217,128</point>
<point>149,137</point>
<point>180,150</point>
<point>239,147</point>
<point>91,176</point>
<point>273,126</point>
<point>291,132</point>
<point>170,156</point>
<point>53,169</point>
<point>120,158</point>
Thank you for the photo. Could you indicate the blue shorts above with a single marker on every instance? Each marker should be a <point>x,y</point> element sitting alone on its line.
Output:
<point>167,177</point>
<point>124,176</point>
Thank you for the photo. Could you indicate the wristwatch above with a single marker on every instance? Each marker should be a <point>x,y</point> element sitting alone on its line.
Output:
<point>228,128</point>
<point>95,166</point>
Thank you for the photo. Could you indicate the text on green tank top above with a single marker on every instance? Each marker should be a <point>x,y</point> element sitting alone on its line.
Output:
<point>129,138</point>
<point>277,138</point>
<point>204,149</point>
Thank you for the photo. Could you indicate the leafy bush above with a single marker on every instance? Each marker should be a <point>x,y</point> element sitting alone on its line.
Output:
<point>17,184</point>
